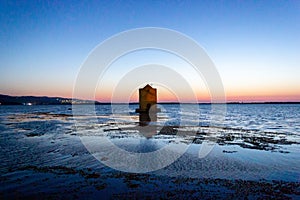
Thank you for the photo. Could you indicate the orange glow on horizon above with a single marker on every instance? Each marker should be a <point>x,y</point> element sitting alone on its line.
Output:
<point>250,95</point>
<point>263,95</point>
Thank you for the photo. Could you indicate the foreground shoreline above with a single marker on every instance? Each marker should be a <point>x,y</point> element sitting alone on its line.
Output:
<point>61,182</point>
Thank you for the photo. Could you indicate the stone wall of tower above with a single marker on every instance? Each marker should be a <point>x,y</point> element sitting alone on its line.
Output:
<point>147,98</point>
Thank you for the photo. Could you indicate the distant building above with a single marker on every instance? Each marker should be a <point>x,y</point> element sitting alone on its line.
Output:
<point>147,100</point>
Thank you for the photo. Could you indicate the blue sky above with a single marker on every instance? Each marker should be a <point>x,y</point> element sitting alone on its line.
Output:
<point>255,45</point>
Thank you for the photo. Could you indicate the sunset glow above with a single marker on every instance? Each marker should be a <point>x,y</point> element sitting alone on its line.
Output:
<point>254,46</point>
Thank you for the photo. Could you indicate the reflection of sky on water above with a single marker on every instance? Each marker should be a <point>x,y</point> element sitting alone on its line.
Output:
<point>44,135</point>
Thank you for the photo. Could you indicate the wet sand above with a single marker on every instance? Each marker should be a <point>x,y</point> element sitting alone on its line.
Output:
<point>42,156</point>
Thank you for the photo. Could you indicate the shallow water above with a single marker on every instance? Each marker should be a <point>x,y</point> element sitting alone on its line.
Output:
<point>254,142</point>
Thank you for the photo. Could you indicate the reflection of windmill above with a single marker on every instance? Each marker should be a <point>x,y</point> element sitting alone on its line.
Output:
<point>147,99</point>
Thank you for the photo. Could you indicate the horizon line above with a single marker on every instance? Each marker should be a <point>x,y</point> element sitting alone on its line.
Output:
<point>165,102</point>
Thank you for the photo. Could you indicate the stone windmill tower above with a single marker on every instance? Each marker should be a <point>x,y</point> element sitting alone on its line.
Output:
<point>147,100</point>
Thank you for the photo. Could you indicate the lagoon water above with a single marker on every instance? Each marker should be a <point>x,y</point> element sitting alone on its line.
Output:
<point>49,150</point>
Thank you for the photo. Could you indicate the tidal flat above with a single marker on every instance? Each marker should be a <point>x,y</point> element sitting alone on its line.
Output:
<point>45,154</point>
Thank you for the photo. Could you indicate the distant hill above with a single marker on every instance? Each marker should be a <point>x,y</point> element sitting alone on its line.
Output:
<point>33,100</point>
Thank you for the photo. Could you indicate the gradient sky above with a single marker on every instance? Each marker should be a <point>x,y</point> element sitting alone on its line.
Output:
<point>255,45</point>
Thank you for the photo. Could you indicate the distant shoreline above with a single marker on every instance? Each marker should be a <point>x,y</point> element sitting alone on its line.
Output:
<point>275,102</point>
<point>44,100</point>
